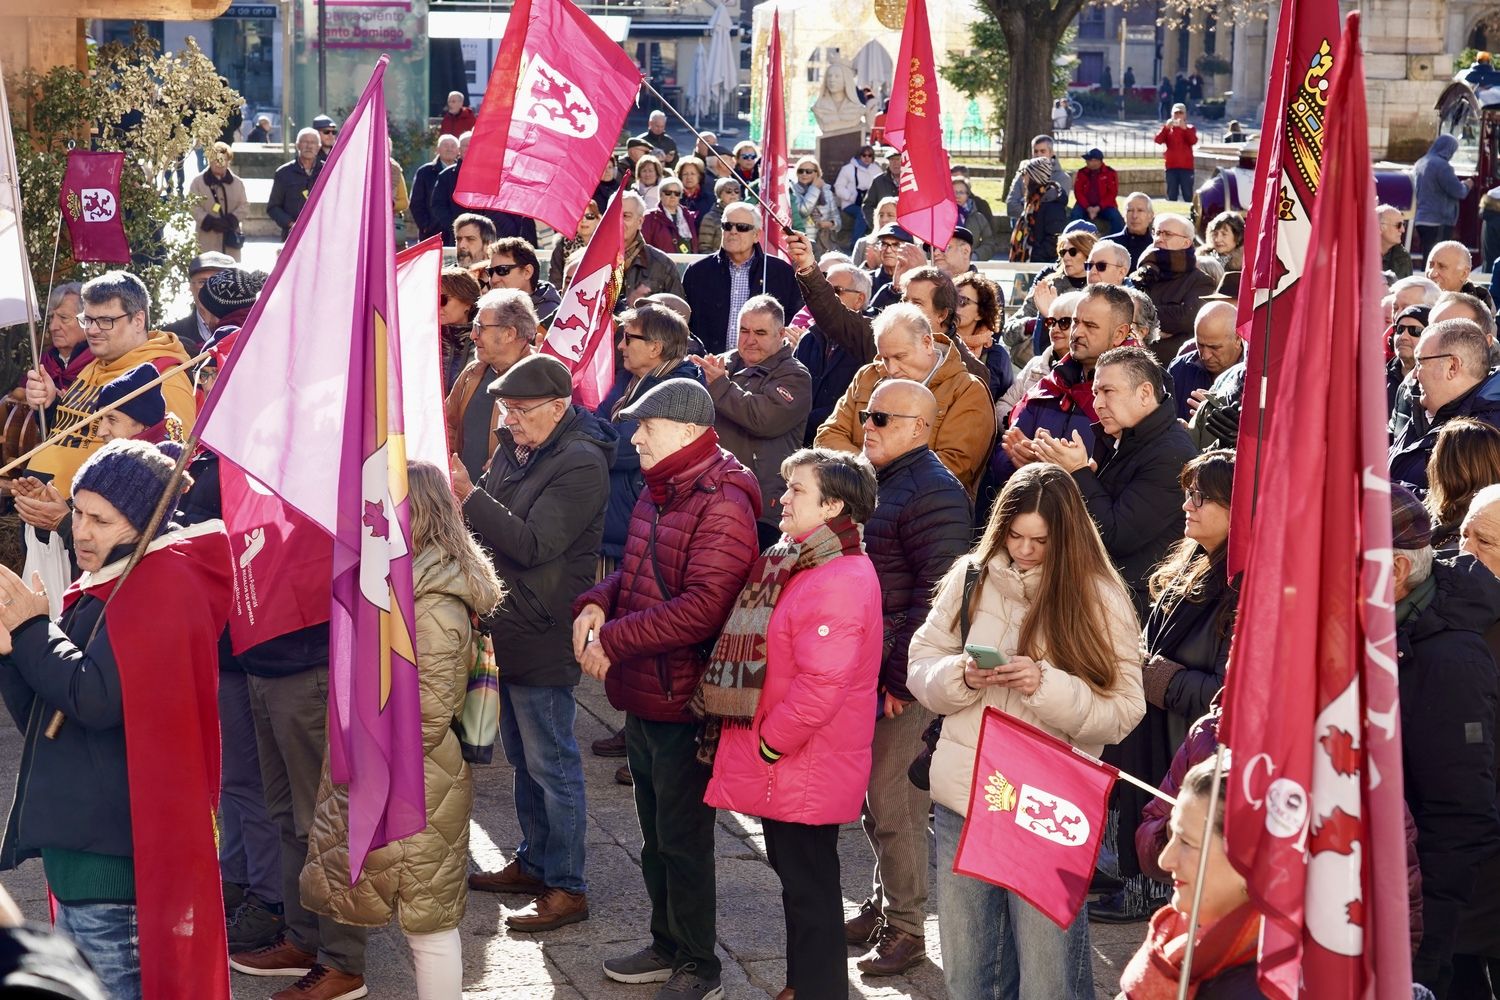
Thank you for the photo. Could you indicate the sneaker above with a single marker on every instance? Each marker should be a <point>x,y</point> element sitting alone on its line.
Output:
<point>254,925</point>
<point>323,983</point>
<point>646,966</point>
<point>610,746</point>
<point>510,879</point>
<point>552,909</point>
<point>894,952</point>
<point>686,984</point>
<point>864,927</point>
<point>279,958</point>
<point>234,895</point>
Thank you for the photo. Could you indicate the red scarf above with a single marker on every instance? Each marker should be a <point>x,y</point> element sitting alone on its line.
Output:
<point>169,686</point>
<point>1070,385</point>
<point>1154,970</point>
<point>64,375</point>
<point>659,477</point>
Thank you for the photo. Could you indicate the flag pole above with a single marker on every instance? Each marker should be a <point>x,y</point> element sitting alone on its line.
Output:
<point>1208,832</point>
<point>786,229</point>
<point>112,407</point>
<point>168,501</point>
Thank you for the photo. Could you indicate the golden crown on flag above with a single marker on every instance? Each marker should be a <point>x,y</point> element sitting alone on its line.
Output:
<point>1304,119</point>
<point>1000,794</point>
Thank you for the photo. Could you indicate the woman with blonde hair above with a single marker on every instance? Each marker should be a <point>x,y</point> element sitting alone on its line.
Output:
<point>1465,459</point>
<point>815,211</point>
<point>421,879</point>
<point>219,204</point>
<point>1041,590</point>
<point>649,173</point>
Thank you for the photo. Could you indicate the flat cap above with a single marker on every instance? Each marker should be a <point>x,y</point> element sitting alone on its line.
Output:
<point>681,400</point>
<point>210,261</point>
<point>1411,525</point>
<point>536,376</point>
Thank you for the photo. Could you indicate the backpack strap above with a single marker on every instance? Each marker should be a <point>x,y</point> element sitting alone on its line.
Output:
<point>971,579</point>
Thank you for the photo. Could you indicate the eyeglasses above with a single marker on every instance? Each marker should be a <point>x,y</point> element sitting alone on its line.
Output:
<point>740,227</point>
<point>500,270</point>
<point>891,244</point>
<point>1197,499</point>
<point>443,300</point>
<point>1431,357</point>
<point>880,418</point>
<point>1100,266</point>
<point>1411,330</point>
<point>104,323</point>
<point>520,411</point>
<point>329,131</point>
<point>1163,233</point>
<point>634,336</point>
<point>671,194</point>
<point>479,327</point>
<point>1072,252</point>
<point>842,291</point>
<point>1060,322</point>
<point>964,300</point>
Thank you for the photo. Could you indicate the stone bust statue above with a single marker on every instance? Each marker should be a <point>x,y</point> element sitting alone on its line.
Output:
<point>838,108</point>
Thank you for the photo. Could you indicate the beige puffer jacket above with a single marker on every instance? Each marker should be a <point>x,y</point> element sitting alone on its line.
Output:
<point>1064,705</point>
<point>424,876</point>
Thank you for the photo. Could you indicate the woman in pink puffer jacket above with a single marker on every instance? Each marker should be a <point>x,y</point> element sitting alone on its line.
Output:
<point>791,693</point>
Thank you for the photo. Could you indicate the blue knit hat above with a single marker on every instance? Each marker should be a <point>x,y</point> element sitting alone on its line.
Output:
<point>149,408</point>
<point>131,475</point>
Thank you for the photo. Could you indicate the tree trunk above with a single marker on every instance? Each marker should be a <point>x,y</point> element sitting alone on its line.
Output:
<point>1033,29</point>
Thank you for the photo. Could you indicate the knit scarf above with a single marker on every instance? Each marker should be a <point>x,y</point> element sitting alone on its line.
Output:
<point>1158,265</point>
<point>659,477</point>
<point>1154,970</point>
<point>731,686</point>
<point>1038,173</point>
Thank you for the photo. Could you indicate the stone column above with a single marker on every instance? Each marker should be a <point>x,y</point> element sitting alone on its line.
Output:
<point>1197,28</point>
<point>1171,52</point>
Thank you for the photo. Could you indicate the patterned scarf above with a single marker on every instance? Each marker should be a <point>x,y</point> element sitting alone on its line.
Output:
<point>1037,172</point>
<point>1153,972</point>
<point>736,671</point>
<point>1158,265</point>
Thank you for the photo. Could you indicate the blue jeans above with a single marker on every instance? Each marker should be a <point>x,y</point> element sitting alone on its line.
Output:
<point>1179,184</point>
<point>1108,221</point>
<point>109,938</point>
<point>536,730</point>
<point>249,843</point>
<point>997,946</point>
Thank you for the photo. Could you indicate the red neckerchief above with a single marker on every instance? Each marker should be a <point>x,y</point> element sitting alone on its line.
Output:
<point>1153,971</point>
<point>659,476</point>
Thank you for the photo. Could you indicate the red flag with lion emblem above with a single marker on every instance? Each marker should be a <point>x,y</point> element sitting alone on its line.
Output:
<point>1036,816</point>
<point>90,203</point>
<point>554,106</point>
<point>581,332</point>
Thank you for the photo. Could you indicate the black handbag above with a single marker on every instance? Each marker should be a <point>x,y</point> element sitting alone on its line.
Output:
<point>919,771</point>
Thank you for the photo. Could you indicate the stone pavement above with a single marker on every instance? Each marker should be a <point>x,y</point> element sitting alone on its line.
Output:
<point>564,965</point>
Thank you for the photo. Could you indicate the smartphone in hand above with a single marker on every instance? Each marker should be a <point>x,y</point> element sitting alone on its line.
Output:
<point>987,657</point>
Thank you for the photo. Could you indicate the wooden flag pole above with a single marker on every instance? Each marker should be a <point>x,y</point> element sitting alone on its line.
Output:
<point>1203,849</point>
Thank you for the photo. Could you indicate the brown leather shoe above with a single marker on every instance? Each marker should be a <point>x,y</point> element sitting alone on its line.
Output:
<point>323,983</point>
<point>864,927</point>
<point>279,958</point>
<point>787,994</point>
<point>610,746</point>
<point>894,953</point>
<point>554,908</point>
<point>511,879</point>
<point>623,775</point>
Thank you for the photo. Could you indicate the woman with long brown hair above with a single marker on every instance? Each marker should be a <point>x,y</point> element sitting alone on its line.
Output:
<point>1465,459</point>
<point>457,306</point>
<point>1041,590</point>
<point>1186,649</point>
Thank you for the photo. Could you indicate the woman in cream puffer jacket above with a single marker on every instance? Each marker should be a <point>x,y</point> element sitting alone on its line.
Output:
<point>1042,566</point>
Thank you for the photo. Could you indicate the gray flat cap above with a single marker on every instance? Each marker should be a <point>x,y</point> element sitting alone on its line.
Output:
<point>678,399</point>
<point>536,376</point>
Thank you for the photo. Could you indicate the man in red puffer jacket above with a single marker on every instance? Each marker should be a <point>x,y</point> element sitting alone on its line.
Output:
<point>645,631</point>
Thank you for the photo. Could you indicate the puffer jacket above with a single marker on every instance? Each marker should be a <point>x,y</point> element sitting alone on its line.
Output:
<point>1064,705</point>
<point>1176,287</point>
<point>423,877</point>
<point>1414,435</point>
<point>543,522</point>
<point>702,542</point>
<point>1450,693</point>
<point>762,415</point>
<point>1060,414</point>
<point>1438,190</point>
<point>817,707</point>
<point>921,524</point>
<point>965,427</point>
<point>625,482</point>
<point>1153,830</point>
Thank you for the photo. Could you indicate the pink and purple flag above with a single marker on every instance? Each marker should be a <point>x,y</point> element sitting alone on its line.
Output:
<point>330,442</point>
<point>582,334</point>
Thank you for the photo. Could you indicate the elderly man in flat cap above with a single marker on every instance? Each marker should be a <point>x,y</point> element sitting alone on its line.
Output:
<point>540,512</point>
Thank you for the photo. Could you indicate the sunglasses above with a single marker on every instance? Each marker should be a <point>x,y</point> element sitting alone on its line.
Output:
<point>634,336</point>
<point>329,131</point>
<point>748,156</point>
<point>591,216</point>
<point>1072,252</point>
<point>500,270</point>
<point>804,170</point>
<point>443,301</point>
<point>880,418</point>
<point>1410,329</point>
<point>867,156</point>
<point>740,227</point>
<point>671,194</point>
<point>1099,266</point>
<point>1061,322</point>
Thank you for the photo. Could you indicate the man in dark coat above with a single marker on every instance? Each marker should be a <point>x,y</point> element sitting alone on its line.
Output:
<point>1452,369</point>
<point>922,523</point>
<point>1168,272</point>
<point>293,182</point>
<point>836,301</point>
<point>1450,690</point>
<point>718,285</point>
<point>422,183</point>
<point>1131,486</point>
<point>642,631</point>
<point>540,513</point>
<point>194,328</point>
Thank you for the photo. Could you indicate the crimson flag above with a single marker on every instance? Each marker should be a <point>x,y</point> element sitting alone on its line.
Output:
<point>924,206</point>
<point>90,203</point>
<point>1288,174</point>
<point>1036,816</point>
<point>582,333</point>
<point>555,104</point>
<point>1315,811</point>
<point>776,196</point>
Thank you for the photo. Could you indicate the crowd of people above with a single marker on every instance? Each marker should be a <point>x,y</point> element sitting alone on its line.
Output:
<point>814,483</point>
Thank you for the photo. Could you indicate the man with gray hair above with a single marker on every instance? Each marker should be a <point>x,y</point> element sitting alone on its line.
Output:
<point>458,117</point>
<point>717,286</point>
<point>1414,290</point>
<point>1449,690</point>
<point>839,341</point>
<point>1169,273</point>
<point>1452,361</point>
<point>293,182</point>
<point>1108,264</point>
<point>647,270</point>
<point>422,183</point>
<point>503,333</point>
<point>1449,265</point>
<point>1479,535</point>
<point>656,136</point>
<point>1136,236</point>
<point>762,395</point>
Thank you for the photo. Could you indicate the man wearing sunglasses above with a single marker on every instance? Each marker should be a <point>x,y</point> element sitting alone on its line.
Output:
<point>1394,257</point>
<point>328,133</point>
<point>514,264</point>
<point>504,330</point>
<point>1108,264</point>
<point>718,286</point>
